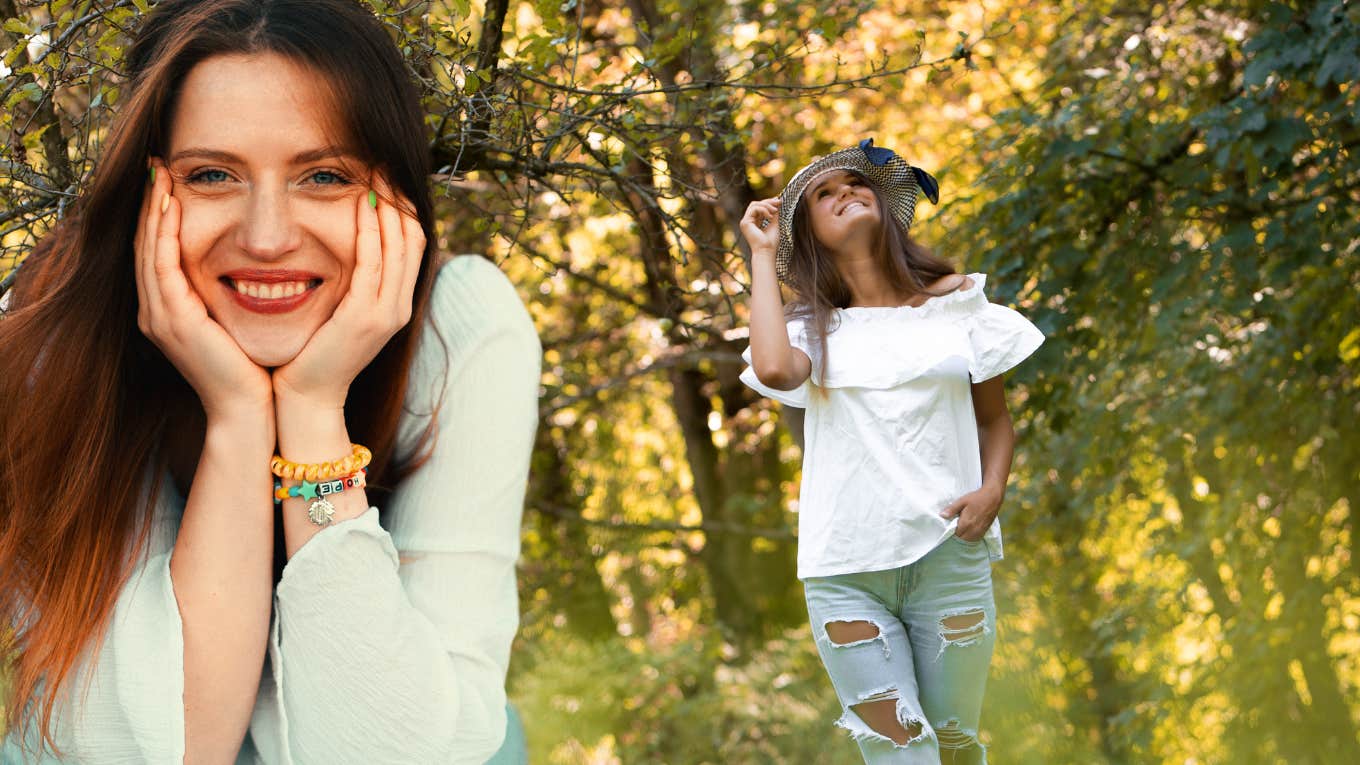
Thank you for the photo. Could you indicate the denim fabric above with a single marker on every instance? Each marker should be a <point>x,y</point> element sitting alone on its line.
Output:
<point>936,672</point>
<point>515,750</point>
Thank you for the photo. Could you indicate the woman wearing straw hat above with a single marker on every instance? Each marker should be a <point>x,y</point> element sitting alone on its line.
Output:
<point>897,360</point>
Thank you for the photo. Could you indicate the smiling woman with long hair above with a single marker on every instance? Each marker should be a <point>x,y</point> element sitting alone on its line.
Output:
<point>246,287</point>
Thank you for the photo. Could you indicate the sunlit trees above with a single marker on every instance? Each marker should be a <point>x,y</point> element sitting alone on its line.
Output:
<point>1166,189</point>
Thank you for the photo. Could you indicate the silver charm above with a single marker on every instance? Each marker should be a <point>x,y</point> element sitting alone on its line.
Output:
<point>321,512</point>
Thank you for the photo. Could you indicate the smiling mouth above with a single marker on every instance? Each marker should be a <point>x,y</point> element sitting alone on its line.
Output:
<point>270,290</point>
<point>846,209</point>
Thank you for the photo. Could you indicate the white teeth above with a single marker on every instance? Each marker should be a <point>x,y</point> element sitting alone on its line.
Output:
<point>272,290</point>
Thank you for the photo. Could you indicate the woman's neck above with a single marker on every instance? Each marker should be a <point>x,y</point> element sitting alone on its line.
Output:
<point>866,282</point>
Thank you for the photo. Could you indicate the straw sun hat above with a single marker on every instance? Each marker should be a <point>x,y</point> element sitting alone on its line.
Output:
<point>897,182</point>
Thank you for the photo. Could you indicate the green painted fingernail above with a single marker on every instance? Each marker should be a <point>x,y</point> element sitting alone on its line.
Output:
<point>153,174</point>
<point>373,199</point>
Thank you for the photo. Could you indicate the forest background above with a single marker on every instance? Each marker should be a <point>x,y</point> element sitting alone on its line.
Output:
<point>1161,187</point>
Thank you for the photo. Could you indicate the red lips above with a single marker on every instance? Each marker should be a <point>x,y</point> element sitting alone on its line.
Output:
<point>270,275</point>
<point>253,279</point>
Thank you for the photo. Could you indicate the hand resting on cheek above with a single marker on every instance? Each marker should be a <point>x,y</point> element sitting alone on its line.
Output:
<point>173,316</point>
<point>389,246</point>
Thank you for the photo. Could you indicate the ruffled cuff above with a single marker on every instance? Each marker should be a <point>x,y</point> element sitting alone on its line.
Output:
<point>797,397</point>
<point>320,584</point>
<point>1001,338</point>
<point>796,327</point>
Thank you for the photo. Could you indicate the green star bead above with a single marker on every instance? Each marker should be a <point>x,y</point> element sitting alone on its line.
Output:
<point>308,490</point>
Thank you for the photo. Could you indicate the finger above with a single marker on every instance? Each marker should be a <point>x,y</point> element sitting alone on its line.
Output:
<point>414,237</point>
<point>367,254</point>
<point>759,212</point>
<point>951,511</point>
<point>178,296</point>
<point>770,211</point>
<point>147,257</point>
<point>393,246</point>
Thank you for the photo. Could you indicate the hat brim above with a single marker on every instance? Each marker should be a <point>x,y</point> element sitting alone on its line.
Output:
<point>896,181</point>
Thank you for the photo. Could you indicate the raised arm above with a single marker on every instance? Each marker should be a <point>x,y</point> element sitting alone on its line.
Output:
<point>774,360</point>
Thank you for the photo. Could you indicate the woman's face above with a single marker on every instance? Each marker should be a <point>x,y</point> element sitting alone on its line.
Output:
<point>841,208</point>
<point>268,231</point>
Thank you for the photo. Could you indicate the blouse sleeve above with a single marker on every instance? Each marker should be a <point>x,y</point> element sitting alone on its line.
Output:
<point>124,702</point>
<point>798,397</point>
<point>1001,338</point>
<point>393,647</point>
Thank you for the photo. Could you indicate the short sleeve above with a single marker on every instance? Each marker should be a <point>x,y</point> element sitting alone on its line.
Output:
<point>798,396</point>
<point>1001,338</point>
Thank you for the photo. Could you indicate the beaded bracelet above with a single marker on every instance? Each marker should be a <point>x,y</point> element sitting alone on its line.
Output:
<point>322,471</point>
<point>321,511</point>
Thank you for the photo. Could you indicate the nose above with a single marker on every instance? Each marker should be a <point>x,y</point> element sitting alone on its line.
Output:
<point>268,231</point>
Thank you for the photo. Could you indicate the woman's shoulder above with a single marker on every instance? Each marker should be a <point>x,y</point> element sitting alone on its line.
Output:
<point>951,283</point>
<point>472,298</point>
<point>475,317</point>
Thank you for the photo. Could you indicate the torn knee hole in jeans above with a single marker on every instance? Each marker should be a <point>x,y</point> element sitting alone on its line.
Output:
<point>963,628</point>
<point>848,633</point>
<point>891,722</point>
<point>951,736</point>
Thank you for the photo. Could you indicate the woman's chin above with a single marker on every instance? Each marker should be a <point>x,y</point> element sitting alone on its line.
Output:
<point>271,352</point>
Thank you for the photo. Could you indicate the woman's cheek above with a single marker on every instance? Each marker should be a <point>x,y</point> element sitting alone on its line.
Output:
<point>198,230</point>
<point>334,227</point>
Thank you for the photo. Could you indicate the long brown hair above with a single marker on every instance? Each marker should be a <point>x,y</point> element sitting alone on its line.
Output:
<point>819,288</point>
<point>86,400</point>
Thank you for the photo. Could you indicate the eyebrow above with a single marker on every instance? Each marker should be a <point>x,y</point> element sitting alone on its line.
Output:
<point>217,155</point>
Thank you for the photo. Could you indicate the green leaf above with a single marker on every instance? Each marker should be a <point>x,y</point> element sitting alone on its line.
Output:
<point>1340,66</point>
<point>1350,346</point>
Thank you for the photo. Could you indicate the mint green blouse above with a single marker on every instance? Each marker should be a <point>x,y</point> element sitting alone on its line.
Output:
<point>388,643</point>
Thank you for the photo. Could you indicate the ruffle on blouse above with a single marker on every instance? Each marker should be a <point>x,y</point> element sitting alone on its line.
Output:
<point>883,347</point>
<point>1000,338</point>
<point>798,396</point>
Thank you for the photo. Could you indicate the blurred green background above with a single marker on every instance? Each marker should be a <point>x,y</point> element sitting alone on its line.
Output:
<point>1161,187</point>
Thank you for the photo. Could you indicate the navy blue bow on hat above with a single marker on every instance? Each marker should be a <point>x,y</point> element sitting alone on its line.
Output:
<point>879,156</point>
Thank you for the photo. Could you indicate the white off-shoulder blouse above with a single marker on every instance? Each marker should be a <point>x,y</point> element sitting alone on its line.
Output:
<point>387,644</point>
<point>890,435</point>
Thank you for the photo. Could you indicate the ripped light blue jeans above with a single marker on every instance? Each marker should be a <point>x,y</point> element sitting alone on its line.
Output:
<point>933,628</point>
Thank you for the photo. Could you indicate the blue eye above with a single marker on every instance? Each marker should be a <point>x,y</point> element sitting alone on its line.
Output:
<point>329,178</point>
<point>208,176</point>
